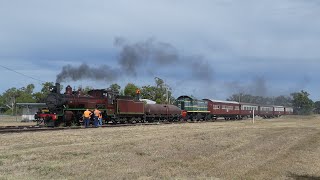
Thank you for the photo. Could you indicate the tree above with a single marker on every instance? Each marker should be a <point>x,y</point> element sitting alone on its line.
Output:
<point>247,98</point>
<point>159,93</point>
<point>45,90</point>
<point>301,103</point>
<point>317,107</point>
<point>86,89</point>
<point>130,90</point>
<point>25,94</point>
<point>9,99</point>
<point>115,87</point>
<point>283,101</point>
<point>148,92</point>
<point>13,95</point>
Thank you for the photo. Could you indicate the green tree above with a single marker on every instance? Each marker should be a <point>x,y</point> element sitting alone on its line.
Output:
<point>115,87</point>
<point>9,99</point>
<point>148,92</point>
<point>283,101</point>
<point>317,107</point>
<point>86,89</point>
<point>13,95</point>
<point>45,90</point>
<point>130,90</point>
<point>25,94</point>
<point>160,93</point>
<point>301,103</point>
<point>247,98</point>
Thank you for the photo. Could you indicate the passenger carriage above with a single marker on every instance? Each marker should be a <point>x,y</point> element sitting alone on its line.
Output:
<point>246,109</point>
<point>266,111</point>
<point>278,111</point>
<point>225,109</point>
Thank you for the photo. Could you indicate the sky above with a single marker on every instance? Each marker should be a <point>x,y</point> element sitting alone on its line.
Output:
<point>207,48</point>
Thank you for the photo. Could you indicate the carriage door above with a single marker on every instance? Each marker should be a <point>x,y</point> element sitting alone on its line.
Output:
<point>210,107</point>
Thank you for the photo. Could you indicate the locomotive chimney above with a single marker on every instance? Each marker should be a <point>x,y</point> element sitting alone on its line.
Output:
<point>58,87</point>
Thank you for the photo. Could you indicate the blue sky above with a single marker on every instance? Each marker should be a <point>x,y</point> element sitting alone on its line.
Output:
<point>209,49</point>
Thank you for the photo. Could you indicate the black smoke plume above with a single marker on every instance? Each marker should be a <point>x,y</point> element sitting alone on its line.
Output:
<point>133,57</point>
<point>257,87</point>
<point>147,56</point>
<point>103,72</point>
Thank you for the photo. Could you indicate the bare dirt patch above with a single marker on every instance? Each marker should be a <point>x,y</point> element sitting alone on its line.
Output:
<point>283,148</point>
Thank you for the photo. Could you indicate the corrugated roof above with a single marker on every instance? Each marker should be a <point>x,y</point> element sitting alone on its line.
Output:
<point>31,104</point>
<point>220,101</point>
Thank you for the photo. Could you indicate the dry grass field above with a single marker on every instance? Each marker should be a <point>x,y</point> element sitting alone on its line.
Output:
<point>14,121</point>
<point>282,148</point>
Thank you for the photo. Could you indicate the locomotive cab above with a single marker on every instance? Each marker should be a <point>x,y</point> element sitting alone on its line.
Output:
<point>111,96</point>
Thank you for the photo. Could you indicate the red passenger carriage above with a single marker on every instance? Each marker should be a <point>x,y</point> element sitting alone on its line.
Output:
<point>278,111</point>
<point>225,109</point>
<point>247,109</point>
<point>266,111</point>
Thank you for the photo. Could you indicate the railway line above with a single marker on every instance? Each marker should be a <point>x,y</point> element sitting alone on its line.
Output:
<point>30,128</point>
<point>20,129</point>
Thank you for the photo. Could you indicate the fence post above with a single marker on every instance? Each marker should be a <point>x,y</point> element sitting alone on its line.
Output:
<point>253,117</point>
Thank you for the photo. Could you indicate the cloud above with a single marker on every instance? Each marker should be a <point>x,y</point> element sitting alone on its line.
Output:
<point>222,41</point>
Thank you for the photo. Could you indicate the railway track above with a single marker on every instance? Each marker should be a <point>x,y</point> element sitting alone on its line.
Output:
<point>19,129</point>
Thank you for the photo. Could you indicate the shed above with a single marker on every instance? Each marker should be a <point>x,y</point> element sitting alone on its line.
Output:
<point>29,109</point>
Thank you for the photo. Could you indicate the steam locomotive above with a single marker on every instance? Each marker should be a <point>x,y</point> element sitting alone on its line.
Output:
<point>67,108</point>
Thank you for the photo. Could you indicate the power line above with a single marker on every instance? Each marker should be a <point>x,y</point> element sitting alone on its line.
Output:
<point>22,74</point>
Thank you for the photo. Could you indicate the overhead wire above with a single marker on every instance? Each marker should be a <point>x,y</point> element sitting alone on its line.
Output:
<point>22,74</point>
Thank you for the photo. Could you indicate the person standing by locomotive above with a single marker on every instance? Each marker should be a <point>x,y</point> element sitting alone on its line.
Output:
<point>100,119</point>
<point>96,116</point>
<point>86,116</point>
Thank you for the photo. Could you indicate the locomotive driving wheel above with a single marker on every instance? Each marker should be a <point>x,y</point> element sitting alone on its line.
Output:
<point>68,118</point>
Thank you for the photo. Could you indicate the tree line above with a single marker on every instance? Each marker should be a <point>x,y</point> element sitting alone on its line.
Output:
<point>300,101</point>
<point>160,93</point>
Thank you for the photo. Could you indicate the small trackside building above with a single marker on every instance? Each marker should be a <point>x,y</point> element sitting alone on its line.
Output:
<point>29,110</point>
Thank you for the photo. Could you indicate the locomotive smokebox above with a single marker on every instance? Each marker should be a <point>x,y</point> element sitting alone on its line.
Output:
<point>58,88</point>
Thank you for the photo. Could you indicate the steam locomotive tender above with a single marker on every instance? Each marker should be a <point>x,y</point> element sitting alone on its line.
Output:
<point>67,108</point>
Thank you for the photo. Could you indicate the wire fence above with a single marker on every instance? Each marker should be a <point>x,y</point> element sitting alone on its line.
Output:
<point>8,118</point>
